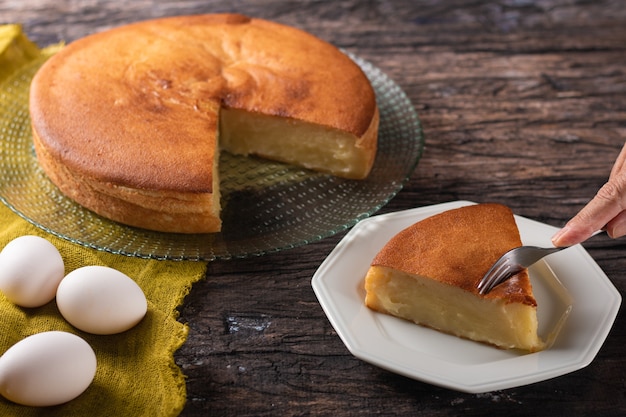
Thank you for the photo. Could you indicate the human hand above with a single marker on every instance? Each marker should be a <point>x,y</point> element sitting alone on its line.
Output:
<point>607,210</point>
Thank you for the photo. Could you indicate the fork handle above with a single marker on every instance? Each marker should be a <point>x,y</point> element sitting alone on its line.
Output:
<point>530,257</point>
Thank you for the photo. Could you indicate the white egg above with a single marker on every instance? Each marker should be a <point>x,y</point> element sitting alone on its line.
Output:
<point>47,369</point>
<point>101,300</point>
<point>30,271</point>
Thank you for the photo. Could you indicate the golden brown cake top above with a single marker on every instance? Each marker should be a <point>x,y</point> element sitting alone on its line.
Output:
<point>458,247</point>
<point>151,92</point>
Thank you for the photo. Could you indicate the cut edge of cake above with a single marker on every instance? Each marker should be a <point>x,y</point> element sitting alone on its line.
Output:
<point>395,293</point>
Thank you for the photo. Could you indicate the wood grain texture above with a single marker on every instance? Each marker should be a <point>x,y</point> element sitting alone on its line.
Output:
<point>522,102</point>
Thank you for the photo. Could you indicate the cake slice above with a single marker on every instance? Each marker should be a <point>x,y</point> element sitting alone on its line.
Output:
<point>428,274</point>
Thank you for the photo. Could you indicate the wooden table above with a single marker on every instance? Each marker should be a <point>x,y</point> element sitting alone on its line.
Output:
<point>522,103</point>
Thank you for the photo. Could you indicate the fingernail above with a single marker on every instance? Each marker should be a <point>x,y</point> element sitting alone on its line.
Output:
<point>559,235</point>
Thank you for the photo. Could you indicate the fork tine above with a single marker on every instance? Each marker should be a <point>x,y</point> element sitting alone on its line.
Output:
<point>492,274</point>
<point>506,270</point>
<point>487,282</point>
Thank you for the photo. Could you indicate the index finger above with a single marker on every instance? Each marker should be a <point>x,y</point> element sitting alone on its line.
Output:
<point>606,205</point>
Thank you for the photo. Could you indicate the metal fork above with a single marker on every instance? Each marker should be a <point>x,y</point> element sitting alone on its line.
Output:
<point>511,263</point>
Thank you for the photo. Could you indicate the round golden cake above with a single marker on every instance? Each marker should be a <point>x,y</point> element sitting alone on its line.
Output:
<point>129,122</point>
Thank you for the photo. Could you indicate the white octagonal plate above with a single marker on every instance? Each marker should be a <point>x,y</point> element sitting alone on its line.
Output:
<point>577,305</point>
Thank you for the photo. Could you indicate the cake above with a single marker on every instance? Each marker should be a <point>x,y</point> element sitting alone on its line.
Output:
<point>428,274</point>
<point>129,122</point>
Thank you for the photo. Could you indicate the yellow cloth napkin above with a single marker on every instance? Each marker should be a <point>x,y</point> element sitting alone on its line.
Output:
<point>136,374</point>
